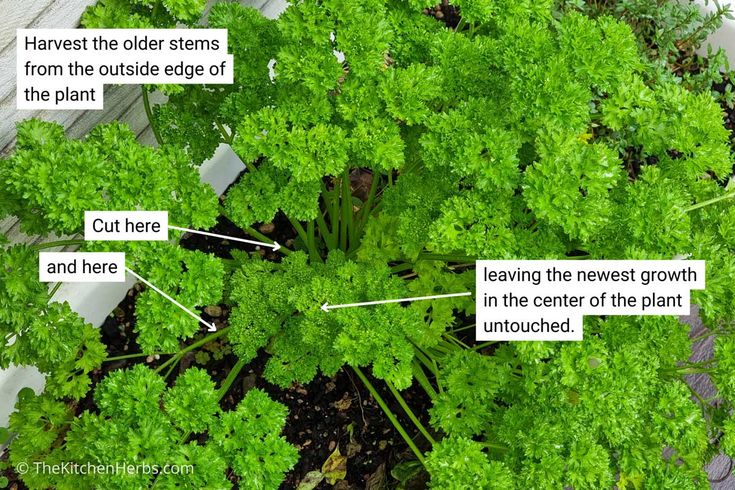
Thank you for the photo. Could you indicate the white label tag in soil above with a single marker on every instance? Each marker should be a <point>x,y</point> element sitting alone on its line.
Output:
<point>81,267</point>
<point>125,225</point>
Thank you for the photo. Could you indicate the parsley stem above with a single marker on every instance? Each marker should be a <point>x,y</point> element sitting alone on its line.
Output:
<point>420,375</point>
<point>133,356</point>
<point>299,230</point>
<point>391,416</point>
<point>710,201</point>
<point>346,221</point>
<point>57,243</point>
<point>311,243</point>
<point>409,412</point>
<point>227,383</point>
<point>54,290</point>
<point>195,345</point>
<point>256,234</point>
<point>445,257</point>
<point>229,138</point>
<point>367,209</point>
<point>327,236</point>
<point>149,114</point>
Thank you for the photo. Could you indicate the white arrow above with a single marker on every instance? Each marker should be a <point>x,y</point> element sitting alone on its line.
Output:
<point>275,245</point>
<point>327,306</point>
<point>210,326</point>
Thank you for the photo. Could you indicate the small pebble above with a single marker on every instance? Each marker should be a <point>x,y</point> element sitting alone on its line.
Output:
<point>267,228</point>
<point>332,445</point>
<point>149,359</point>
<point>213,310</point>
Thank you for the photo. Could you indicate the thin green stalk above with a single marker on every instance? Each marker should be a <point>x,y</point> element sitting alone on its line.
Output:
<point>256,234</point>
<point>406,266</point>
<point>426,358</point>
<point>709,201</point>
<point>228,137</point>
<point>311,244</point>
<point>149,114</point>
<point>420,375</point>
<point>367,207</point>
<point>57,243</point>
<point>230,378</point>
<point>299,230</point>
<point>483,345</point>
<point>409,412</point>
<point>131,356</point>
<point>491,445</point>
<point>55,289</point>
<point>204,340</point>
<point>327,236</point>
<point>391,416</point>
<point>346,217</point>
<point>462,329</point>
<point>446,257</point>
<point>455,340</point>
<point>331,203</point>
<point>170,369</point>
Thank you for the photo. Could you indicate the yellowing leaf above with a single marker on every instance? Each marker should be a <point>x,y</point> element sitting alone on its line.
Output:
<point>335,467</point>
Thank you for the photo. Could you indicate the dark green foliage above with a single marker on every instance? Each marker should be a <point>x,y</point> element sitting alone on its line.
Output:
<point>577,418</point>
<point>141,422</point>
<point>142,14</point>
<point>44,334</point>
<point>401,151</point>
<point>278,307</point>
<point>50,180</point>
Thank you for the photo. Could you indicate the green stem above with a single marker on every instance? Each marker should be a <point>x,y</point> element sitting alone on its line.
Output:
<point>454,340</point>
<point>331,203</point>
<point>409,412</point>
<point>446,257</point>
<point>229,138</point>
<point>57,243</point>
<point>462,329</point>
<point>406,266</point>
<point>420,375</point>
<point>367,208</point>
<point>391,416</point>
<point>300,230</point>
<point>54,290</point>
<point>256,234</point>
<point>346,221</point>
<point>327,236</point>
<point>230,378</point>
<point>491,445</point>
<point>311,244</point>
<point>709,201</point>
<point>149,114</point>
<point>132,356</point>
<point>195,345</point>
<point>483,345</point>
